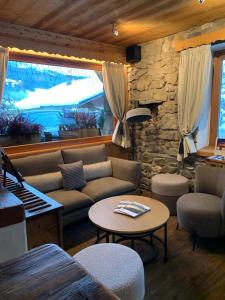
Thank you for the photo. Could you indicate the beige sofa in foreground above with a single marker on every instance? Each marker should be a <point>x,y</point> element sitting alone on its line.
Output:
<point>42,172</point>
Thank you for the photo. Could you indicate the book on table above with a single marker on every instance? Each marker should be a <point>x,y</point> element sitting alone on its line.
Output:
<point>131,208</point>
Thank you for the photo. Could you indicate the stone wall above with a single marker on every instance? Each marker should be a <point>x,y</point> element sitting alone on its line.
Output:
<point>155,78</point>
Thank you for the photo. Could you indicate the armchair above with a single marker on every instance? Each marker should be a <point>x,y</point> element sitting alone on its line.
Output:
<point>203,212</point>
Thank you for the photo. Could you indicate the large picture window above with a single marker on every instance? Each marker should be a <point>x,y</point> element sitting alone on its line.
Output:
<point>43,102</point>
<point>221,123</point>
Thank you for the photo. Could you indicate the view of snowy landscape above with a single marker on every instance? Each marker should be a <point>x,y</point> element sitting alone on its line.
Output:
<point>221,127</point>
<point>59,99</point>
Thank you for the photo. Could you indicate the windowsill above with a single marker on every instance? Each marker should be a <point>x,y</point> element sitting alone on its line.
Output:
<point>207,151</point>
<point>30,149</point>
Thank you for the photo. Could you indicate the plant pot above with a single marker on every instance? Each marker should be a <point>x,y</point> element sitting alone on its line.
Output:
<point>69,134</point>
<point>35,139</point>
<point>78,133</point>
<point>6,141</point>
<point>89,132</point>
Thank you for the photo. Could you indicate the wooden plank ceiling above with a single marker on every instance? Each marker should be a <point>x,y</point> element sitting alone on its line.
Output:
<point>138,20</point>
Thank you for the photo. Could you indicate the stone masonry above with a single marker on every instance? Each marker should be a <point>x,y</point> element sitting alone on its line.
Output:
<point>155,78</point>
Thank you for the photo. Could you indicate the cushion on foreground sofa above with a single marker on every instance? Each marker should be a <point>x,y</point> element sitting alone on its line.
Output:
<point>105,177</point>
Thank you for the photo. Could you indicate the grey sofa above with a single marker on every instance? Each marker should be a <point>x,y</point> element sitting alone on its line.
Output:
<point>203,212</point>
<point>42,172</point>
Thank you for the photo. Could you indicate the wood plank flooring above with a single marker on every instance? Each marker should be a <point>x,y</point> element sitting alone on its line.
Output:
<point>188,275</point>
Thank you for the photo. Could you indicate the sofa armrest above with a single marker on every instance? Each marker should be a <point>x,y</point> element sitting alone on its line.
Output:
<point>126,170</point>
<point>223,206</point>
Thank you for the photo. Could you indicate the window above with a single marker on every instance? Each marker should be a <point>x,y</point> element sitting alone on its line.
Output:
<point>221,120</point>
<point>44,102</point>
<point>217,123</point>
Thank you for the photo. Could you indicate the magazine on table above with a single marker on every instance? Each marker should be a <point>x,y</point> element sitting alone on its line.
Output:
<point>131,208</point>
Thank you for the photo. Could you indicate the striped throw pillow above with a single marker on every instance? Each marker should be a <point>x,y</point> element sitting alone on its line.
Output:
<point>73,175</point>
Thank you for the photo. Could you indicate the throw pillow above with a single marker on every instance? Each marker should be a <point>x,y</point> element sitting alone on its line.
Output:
<point>98,170</point>
<point>73,175</point>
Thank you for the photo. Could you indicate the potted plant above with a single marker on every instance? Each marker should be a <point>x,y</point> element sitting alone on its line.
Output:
<point>85,126</point>
<point>87,123</point>
<point>4,139</point>
<point>68,132</point>
<point>17,129</point>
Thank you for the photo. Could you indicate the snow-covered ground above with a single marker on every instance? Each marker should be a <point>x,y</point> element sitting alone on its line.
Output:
<point>62,94</point>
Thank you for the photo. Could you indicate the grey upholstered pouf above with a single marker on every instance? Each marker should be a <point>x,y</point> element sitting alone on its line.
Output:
<point>117,267</point>
<point>167,188</point>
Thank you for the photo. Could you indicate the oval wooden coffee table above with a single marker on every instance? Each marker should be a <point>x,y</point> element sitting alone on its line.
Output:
<point>140,228</point>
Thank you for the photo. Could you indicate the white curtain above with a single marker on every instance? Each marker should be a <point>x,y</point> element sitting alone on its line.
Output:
<point>114,85</point>
<point>3,67</point>
<point>194,92</point>
<point>108,124</point>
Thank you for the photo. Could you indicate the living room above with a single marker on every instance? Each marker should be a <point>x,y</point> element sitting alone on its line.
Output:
<point>103,102</point>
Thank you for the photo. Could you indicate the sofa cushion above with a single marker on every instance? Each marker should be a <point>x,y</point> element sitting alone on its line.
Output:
<point>107,187</point>
<point>45,182</point>
<point>98,170</point>
<point>73,175</point>
<point>38,164</point>
<point>72,200</point>
<point>88,155</point>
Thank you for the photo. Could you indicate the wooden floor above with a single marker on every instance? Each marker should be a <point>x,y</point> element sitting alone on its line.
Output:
<point>188,275</point>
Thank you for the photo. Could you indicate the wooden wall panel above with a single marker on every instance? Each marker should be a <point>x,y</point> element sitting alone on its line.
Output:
<point>201,39</point>
<point>33,149</point>
<point>42,41</point>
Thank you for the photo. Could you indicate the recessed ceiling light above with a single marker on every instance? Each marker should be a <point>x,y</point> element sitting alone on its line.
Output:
<point>114,29</point>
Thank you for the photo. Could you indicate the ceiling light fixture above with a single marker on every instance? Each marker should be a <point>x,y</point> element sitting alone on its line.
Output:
<point>201,1</point>
<point>114,29</point>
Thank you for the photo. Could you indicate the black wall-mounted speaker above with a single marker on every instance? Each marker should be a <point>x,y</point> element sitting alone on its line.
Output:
<point>133,54</point>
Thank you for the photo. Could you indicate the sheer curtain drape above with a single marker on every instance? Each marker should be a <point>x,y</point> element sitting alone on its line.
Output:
<point>194,91</point>
<point>114,85</point>
<point>108,124</point>
<point>3,67</point>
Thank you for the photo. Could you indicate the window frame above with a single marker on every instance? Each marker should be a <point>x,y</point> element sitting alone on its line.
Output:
<point>54,61</point>
<point>218,56</point>
<point>29,149</point>
<point>215,98</point>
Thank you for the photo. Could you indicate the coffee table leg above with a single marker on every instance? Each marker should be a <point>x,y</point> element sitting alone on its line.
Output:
<point>165,243</point>
<point>98,236</point>
<point>107,237</point>
<point>113,238</point>
<point>151,239</point>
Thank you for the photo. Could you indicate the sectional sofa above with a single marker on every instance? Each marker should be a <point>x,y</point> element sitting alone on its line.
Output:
<point>106,177</point>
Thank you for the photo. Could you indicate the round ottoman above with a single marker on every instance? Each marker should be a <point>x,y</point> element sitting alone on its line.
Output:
<point>167,188</point>
<point>117,267</point>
